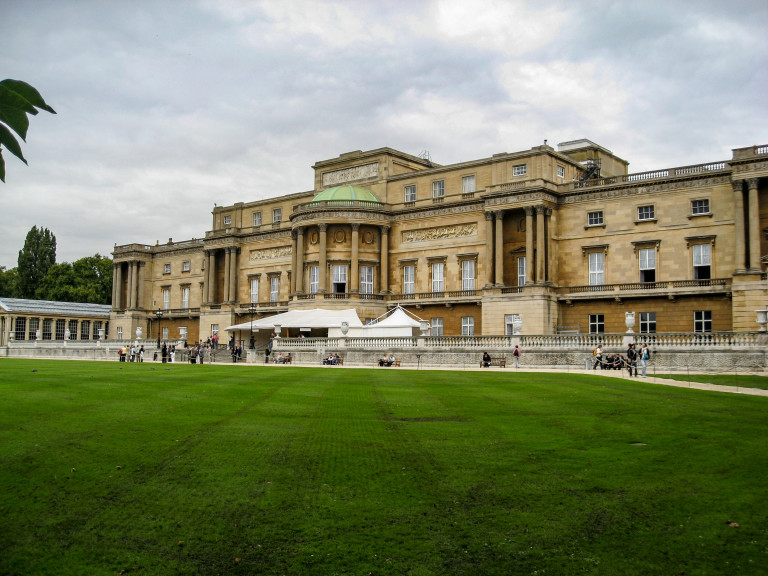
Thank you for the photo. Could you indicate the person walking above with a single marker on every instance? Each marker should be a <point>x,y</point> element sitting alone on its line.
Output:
<point>598,354</point>
<point>201,355</point>
<point>516,354</point>
<point>631,359</point>
<point>645,355</point>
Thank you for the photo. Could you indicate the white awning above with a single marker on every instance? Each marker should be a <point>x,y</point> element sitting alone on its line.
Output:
<point>315,318</point>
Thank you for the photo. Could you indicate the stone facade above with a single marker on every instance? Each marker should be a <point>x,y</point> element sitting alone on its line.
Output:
<point>565,239</point>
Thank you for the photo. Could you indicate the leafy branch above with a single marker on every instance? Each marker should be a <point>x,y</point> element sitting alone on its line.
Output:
<point>17,99</point>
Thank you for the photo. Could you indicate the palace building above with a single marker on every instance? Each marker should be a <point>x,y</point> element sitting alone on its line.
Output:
<point>544,241</point>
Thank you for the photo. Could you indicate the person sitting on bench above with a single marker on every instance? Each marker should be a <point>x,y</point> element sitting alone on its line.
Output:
<point>387,361</point>
<point>486,360</point>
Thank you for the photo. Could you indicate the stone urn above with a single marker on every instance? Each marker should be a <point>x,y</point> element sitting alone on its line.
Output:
<point>629,320</point>
<point>344,328</point>
<point>138,332</point>
<point>278,327</point>
<point>424,327</point>
<point>762,319</point>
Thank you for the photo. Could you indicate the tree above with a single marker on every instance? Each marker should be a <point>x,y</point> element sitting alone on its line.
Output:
<point>17,99</point>
<point>8,282</point>
<point>37,256</point>
<point>86,280</point>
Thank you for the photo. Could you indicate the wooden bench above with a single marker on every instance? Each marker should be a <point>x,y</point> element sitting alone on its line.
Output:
<point>500,362</point>
<point>397,363</point>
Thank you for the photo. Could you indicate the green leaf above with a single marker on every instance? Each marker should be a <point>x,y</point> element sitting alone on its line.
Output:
<point>9,141</point>
<point>13,109</point>
<point>29,93</point>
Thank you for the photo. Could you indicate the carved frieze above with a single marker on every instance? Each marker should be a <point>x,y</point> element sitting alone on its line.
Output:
<point>626,191</point>
<point>364,172</point>
<point>440,233</point>
<point>271,253</point>
<point>448,210</point>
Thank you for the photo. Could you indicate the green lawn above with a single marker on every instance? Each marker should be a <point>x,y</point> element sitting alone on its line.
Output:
<point>110,468</point>
<point>738,380</point>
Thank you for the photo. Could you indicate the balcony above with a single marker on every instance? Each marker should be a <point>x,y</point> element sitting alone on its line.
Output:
<point>670,289</point>
<point>447,298</point>
<point>664,174</point>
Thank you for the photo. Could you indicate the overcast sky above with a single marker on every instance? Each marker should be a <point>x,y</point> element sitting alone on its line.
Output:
<point>167,107</point>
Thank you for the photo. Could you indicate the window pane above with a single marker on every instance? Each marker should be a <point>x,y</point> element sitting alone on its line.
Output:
<point>254,289</point>
<point>436,326</point>
<point>596,268</point>
<point>410,193</point>
<point>21,328</point>
<point>521,271</point>
<point>467,184</point>
<point>366,279</point>
<point>314,279</point>
<point>468,275</point>
<point>438,189</point>
<point>438,284</point>
<point>274,288</point>
<point>468,326</point>
<point>408,279</point>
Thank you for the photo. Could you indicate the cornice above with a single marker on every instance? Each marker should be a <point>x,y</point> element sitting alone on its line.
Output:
<point>638,188</point>
<point>340,217</point>
<point>443,211</point>
<point>521,198</point>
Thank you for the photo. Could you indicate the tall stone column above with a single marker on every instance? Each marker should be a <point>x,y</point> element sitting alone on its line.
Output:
<point>540,247</point>
<point>233,274</point>
<point>499,248</point>
<point>294,236</point>
<point>298,272</point>
<point>355,260</point>
<point>529,263</point>
<point>548,233</point>
<point>754,226</point>
<point>323,258</point>
<point>227,258</point>
<point>384,263</point>
<point>117,280</point>
<point>140,285</point>
<point>738,221</point>
<point>488,249</point>
<point>132,285</point>
<point>212,296</point>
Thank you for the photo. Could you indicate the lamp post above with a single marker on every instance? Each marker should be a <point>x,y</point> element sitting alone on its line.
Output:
<point>159,315</point>
<point>252,309</point>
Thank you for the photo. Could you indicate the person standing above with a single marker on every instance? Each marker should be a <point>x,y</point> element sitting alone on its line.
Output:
<point>516,353</point>
<point>201,355</point>
<point>645,355</point>
<point>598,354</point>
<point>141,353</point>
<point>164,353</point>
<point>631,359</point>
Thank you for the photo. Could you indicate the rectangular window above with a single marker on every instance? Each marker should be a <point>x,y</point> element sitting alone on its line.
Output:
<point>702,261</point>
<point>34,326</point>
<point>165,333</point>
<point>119,332</point>
<point>185,298</point>
<point>438,189</point>
<point>468,275</point>
<point>85,330</point>
<point>96,328</point>
<point>254,289</point>
<point>596,268</point>
<point>647,258</point>
<point>339,279</point>
<point>409,279</point>
<point>274,289</point>
<point>185,266</point>
<point>410,193</point>
<point>521,271</point>
<point>597,323</point>
<point>467,184</point>
<point>214,329</point>
<point>467,326</point>
<point>645,213</point>
<point>520,170</point>
<point>72,329</point>
<point>595,218</point>
<point>257,218</point>
<point>702,321</point>
<point>647,322</point>
<point>436,326</point>
<point>21,328</point>
<point>277,215</point>
<point>509,323</point>
<point>166,298</point>
<point>438,278</point>
<point>314,279</point>
<point>700,206</point>
<point>60,328</point>
<point>561,171</point>
<point>227,220</point>
<point>167,269</point>
<point>183,332</point>
<point>366,279</point>
<point>47,329</point>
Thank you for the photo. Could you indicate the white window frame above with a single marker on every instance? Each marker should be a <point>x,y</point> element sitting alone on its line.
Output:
<point>314,279</point>
<point>647,322</point>
<point>467,325</point>
<point>165,333</point>
<point>438,189</point>
<point>409,193</point>
<point>597,323</point>
<point>702,321</point>
<point>646,212</point>
<point>119,332</point>
<point>468,184</point>
<point>254,289</point>
<point>596,268</point>
<point>561,171</point>
<point>436,327</point>
<point>185,297</point>
<point>646,259</point>
<point>409,279</point>
<point>339,276</point>
<point>438,277</point>
<point>467,274</point>
<point>595,218</point>
<point>166,298</point>
<point>700,206</point>
<point>227,220</point>
<point>186,266</point>
<point>274,289</point>
<point>521,264</point>
<point>366,279</point>
<point>520,170</point>
<point>702,258</point>
<point>167,268</point>
<point>277,215</point>
<point>257,219</point>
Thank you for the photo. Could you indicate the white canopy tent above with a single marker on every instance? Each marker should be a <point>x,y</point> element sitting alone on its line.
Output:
<point>398,322</point>
<point>302,320</point>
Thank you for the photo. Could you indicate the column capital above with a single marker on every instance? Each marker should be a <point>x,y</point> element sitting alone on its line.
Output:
<point>498,214</point>
<point>752,183</point>
<point>385,229</point>
<point>489,216</point>
<point>548,211</point>
<point>355,226</point>
<point>541,209</point>
<point>528,210</point>
<point>738,185</point>
<point>323,227</point>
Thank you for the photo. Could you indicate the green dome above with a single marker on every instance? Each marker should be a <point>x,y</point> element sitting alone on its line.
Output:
<point>346,193</point>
